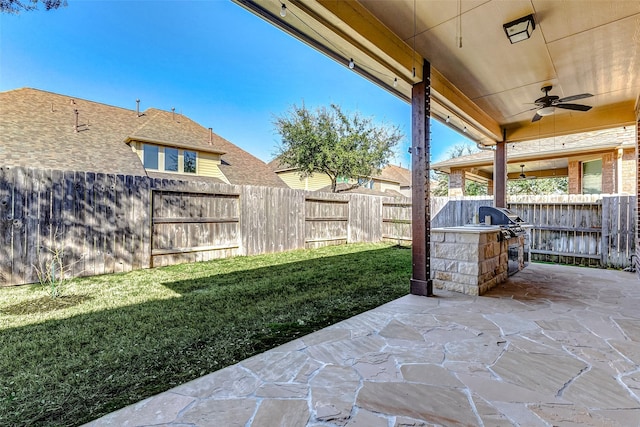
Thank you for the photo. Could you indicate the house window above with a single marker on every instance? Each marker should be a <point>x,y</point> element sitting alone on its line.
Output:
<point>150,156</point>
<point>592,177</point>
<point>171,159</point>
<point>189,161</point>
<point>365,183</point>
<point>168,159</point>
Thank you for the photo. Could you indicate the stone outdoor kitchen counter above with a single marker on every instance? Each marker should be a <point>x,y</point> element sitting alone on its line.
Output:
<point>472,259</point>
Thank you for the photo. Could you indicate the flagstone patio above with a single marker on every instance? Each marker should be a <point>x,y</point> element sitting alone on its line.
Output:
<point>552,346</point>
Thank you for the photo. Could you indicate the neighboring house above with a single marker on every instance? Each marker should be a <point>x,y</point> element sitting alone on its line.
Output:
<point>400,175</point>
<point>40,129</point>
<point>599,162</point>
<point>395,180</point>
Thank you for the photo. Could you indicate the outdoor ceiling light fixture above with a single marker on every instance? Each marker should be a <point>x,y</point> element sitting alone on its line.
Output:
<point>283,10</point>
<point>546,111</point>
<point>520,29</point>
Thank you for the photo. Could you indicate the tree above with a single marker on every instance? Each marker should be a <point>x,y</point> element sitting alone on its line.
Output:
<point>16,6</point>
<point>538,186</point>
<point>328,141</point>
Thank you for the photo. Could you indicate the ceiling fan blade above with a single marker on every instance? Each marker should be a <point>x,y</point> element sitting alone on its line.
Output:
<point>522,112</point>
<point>578,107</point>
<point>536,117</point>
<point>575,97</point>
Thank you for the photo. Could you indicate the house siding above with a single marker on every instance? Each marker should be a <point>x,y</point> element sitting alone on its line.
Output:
<point>292,179</point>
<point>318,181</point>
<point>312,183</point>
<point>384,186</point>
<point>208,166</point>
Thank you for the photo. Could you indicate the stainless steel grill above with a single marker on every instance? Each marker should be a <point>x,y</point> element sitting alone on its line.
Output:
<point>511,226</point>
<point>502,217</point>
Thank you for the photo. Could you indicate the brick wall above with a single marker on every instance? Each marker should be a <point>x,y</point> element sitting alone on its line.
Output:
<point>628,171</point>
<point>575,177</point>
<point>456,182</point>
<point>609,176</point>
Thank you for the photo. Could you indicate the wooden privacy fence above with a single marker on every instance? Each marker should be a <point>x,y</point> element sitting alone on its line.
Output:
<point>584,230</point>
<point>193,227</point>
<point>104,223</point>
<point>95,223</point>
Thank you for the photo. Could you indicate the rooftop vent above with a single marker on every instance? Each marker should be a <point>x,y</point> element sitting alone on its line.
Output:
<point>138,107</point>
<point>210,136</point>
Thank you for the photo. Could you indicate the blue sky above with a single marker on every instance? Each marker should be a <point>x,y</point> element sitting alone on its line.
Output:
<point>213,61</point>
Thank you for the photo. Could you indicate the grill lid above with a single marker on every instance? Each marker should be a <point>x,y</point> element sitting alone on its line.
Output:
<point>499,216</point>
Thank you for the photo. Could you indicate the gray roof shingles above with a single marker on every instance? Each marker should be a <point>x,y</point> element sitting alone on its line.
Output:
<point>37,131</point>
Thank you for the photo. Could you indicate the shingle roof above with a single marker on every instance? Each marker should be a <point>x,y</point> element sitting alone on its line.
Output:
<point>397,174</point>
<point>174,130</point>
<point>37,130</point>
<point>276,165</point>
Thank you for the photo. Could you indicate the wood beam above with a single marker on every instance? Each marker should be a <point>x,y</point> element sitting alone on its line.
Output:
<point>500,176</point>
<point>421,283</point>
<point>479,173</point>
<point>546,173</point>
<point>366,32</point>
<point>637,215</point>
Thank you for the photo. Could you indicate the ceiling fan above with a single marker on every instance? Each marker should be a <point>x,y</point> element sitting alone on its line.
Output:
<point>522,174</point>
<point>548,103</point>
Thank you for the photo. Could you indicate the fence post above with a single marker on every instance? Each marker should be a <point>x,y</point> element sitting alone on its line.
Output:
<point>606,232</point>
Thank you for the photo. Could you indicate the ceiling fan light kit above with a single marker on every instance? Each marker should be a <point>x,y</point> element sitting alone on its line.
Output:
<point>546,111</point>
<point>548,103</point>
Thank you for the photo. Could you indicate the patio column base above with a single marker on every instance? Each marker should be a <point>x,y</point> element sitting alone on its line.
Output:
<point>422,287</point>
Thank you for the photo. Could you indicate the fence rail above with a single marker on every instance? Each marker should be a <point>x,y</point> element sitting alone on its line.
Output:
<point>102,223</point>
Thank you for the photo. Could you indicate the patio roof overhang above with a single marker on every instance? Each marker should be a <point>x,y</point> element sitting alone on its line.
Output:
<point>485,85</point>
<point>452,59</point>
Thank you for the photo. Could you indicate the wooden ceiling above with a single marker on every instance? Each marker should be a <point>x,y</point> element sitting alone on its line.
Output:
<point>488,85</point>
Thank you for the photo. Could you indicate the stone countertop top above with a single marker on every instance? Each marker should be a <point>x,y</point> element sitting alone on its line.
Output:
<point>471,228</point>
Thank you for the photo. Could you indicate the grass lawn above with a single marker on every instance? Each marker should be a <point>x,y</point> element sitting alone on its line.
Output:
<point>113,340</point>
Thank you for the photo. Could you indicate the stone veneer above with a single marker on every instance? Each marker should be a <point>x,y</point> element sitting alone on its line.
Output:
<point>471,260</point>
